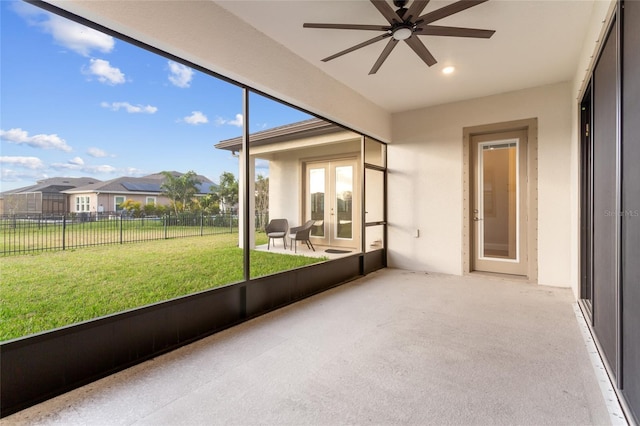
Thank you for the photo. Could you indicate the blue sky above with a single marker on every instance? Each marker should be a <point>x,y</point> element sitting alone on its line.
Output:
<point>75,102</point>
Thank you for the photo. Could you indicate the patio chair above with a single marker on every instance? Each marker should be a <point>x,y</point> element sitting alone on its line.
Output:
<point>277,228</point>
<point>301,233</point>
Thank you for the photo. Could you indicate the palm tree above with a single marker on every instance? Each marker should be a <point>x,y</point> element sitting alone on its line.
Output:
<point>180,189</point>
<point>228,192</point>
<point>262,200</point>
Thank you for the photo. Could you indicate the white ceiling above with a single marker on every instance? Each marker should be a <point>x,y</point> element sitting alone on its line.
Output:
<point>536,42</point>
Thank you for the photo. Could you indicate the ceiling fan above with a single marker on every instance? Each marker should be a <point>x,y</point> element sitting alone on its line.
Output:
<point>406,24</point>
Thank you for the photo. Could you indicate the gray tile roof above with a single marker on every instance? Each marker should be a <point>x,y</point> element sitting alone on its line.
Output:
<point>55,184</point>
<point>150,184</point>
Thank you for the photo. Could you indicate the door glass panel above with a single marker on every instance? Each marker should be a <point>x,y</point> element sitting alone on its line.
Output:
<point>344,201</point>
<point>375,238</point>
<point>317,191</point>
<point>374,195</point>
<point>499,200</point>
<point>374,152</point>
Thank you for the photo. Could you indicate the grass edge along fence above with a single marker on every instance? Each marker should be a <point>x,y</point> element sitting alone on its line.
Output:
<point>20,234</point>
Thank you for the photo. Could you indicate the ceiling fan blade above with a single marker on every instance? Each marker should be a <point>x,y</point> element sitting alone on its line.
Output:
<point>435,30</point>
<point>443,12</point>
<point>383,56</point>
<point>421,50</point>
<point>357,46</point>
<point>416,9</point>
<point>386,10</point>
<point>349,27</point>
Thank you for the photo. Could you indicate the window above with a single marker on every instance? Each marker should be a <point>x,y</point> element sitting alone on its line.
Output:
<point>82,203</point>
<point>151,201</point>
<point>375,156</point>
<point>117,202</point>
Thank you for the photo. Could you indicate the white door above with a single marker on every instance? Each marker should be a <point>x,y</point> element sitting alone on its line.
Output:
<point>332,201</point>
<point>499,209</point>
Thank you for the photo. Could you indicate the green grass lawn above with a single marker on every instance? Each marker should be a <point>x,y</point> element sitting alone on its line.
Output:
<point>47,290</point>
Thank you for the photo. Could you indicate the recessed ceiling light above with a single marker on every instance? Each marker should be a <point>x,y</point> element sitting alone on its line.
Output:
<point>448,70</point>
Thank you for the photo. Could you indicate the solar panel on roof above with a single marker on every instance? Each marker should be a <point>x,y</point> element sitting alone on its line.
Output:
<point>206,187</point>
<point>142,186</point>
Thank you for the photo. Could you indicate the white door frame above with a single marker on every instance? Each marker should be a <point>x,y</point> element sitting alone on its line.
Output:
<point>330,214</point>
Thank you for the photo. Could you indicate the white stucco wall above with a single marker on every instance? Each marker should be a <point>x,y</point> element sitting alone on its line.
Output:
<point>426,173</point>
<point>285,181</point>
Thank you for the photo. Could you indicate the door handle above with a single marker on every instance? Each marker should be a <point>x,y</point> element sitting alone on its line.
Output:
<point>476,218</point>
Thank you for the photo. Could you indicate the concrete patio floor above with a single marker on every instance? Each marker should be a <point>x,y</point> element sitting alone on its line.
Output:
<point>303,250</point>
<point>394,347</point>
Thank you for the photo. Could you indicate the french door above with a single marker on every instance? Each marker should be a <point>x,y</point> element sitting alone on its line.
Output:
<point>332,201</point>
<point>500,202</point>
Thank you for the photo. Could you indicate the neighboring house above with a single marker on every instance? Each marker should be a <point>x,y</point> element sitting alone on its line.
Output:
<point>47,196</point>
<point>109,195</point>
<point>314,173</point>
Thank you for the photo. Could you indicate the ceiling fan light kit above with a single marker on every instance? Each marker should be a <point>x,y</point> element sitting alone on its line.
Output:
<point>406,24</point>
<point>402,32</point>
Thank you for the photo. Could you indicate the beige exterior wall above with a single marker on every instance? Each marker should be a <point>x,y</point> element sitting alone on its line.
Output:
<point>92,202</point>
<point>425,172</point>
<point>107,201</point>
<point>426,184</point>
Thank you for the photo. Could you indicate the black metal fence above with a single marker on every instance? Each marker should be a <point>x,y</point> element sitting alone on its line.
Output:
<point>31,233</point>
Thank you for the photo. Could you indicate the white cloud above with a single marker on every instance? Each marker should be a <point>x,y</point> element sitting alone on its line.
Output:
<point>21,137</point>
<point>26,162</point>
<point>238,121</point>
<point>180,75</point>
<point>132,109</point>
<point>72,165</point>
<point>28,176</point>
<point>97,153</point>
<point>105,72</point>
<point>77,161</point>
<point>77,37</point>
<point>196,118</point>
<point>132,171</point>
<point>73,36</point>
<point>105,168</point>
